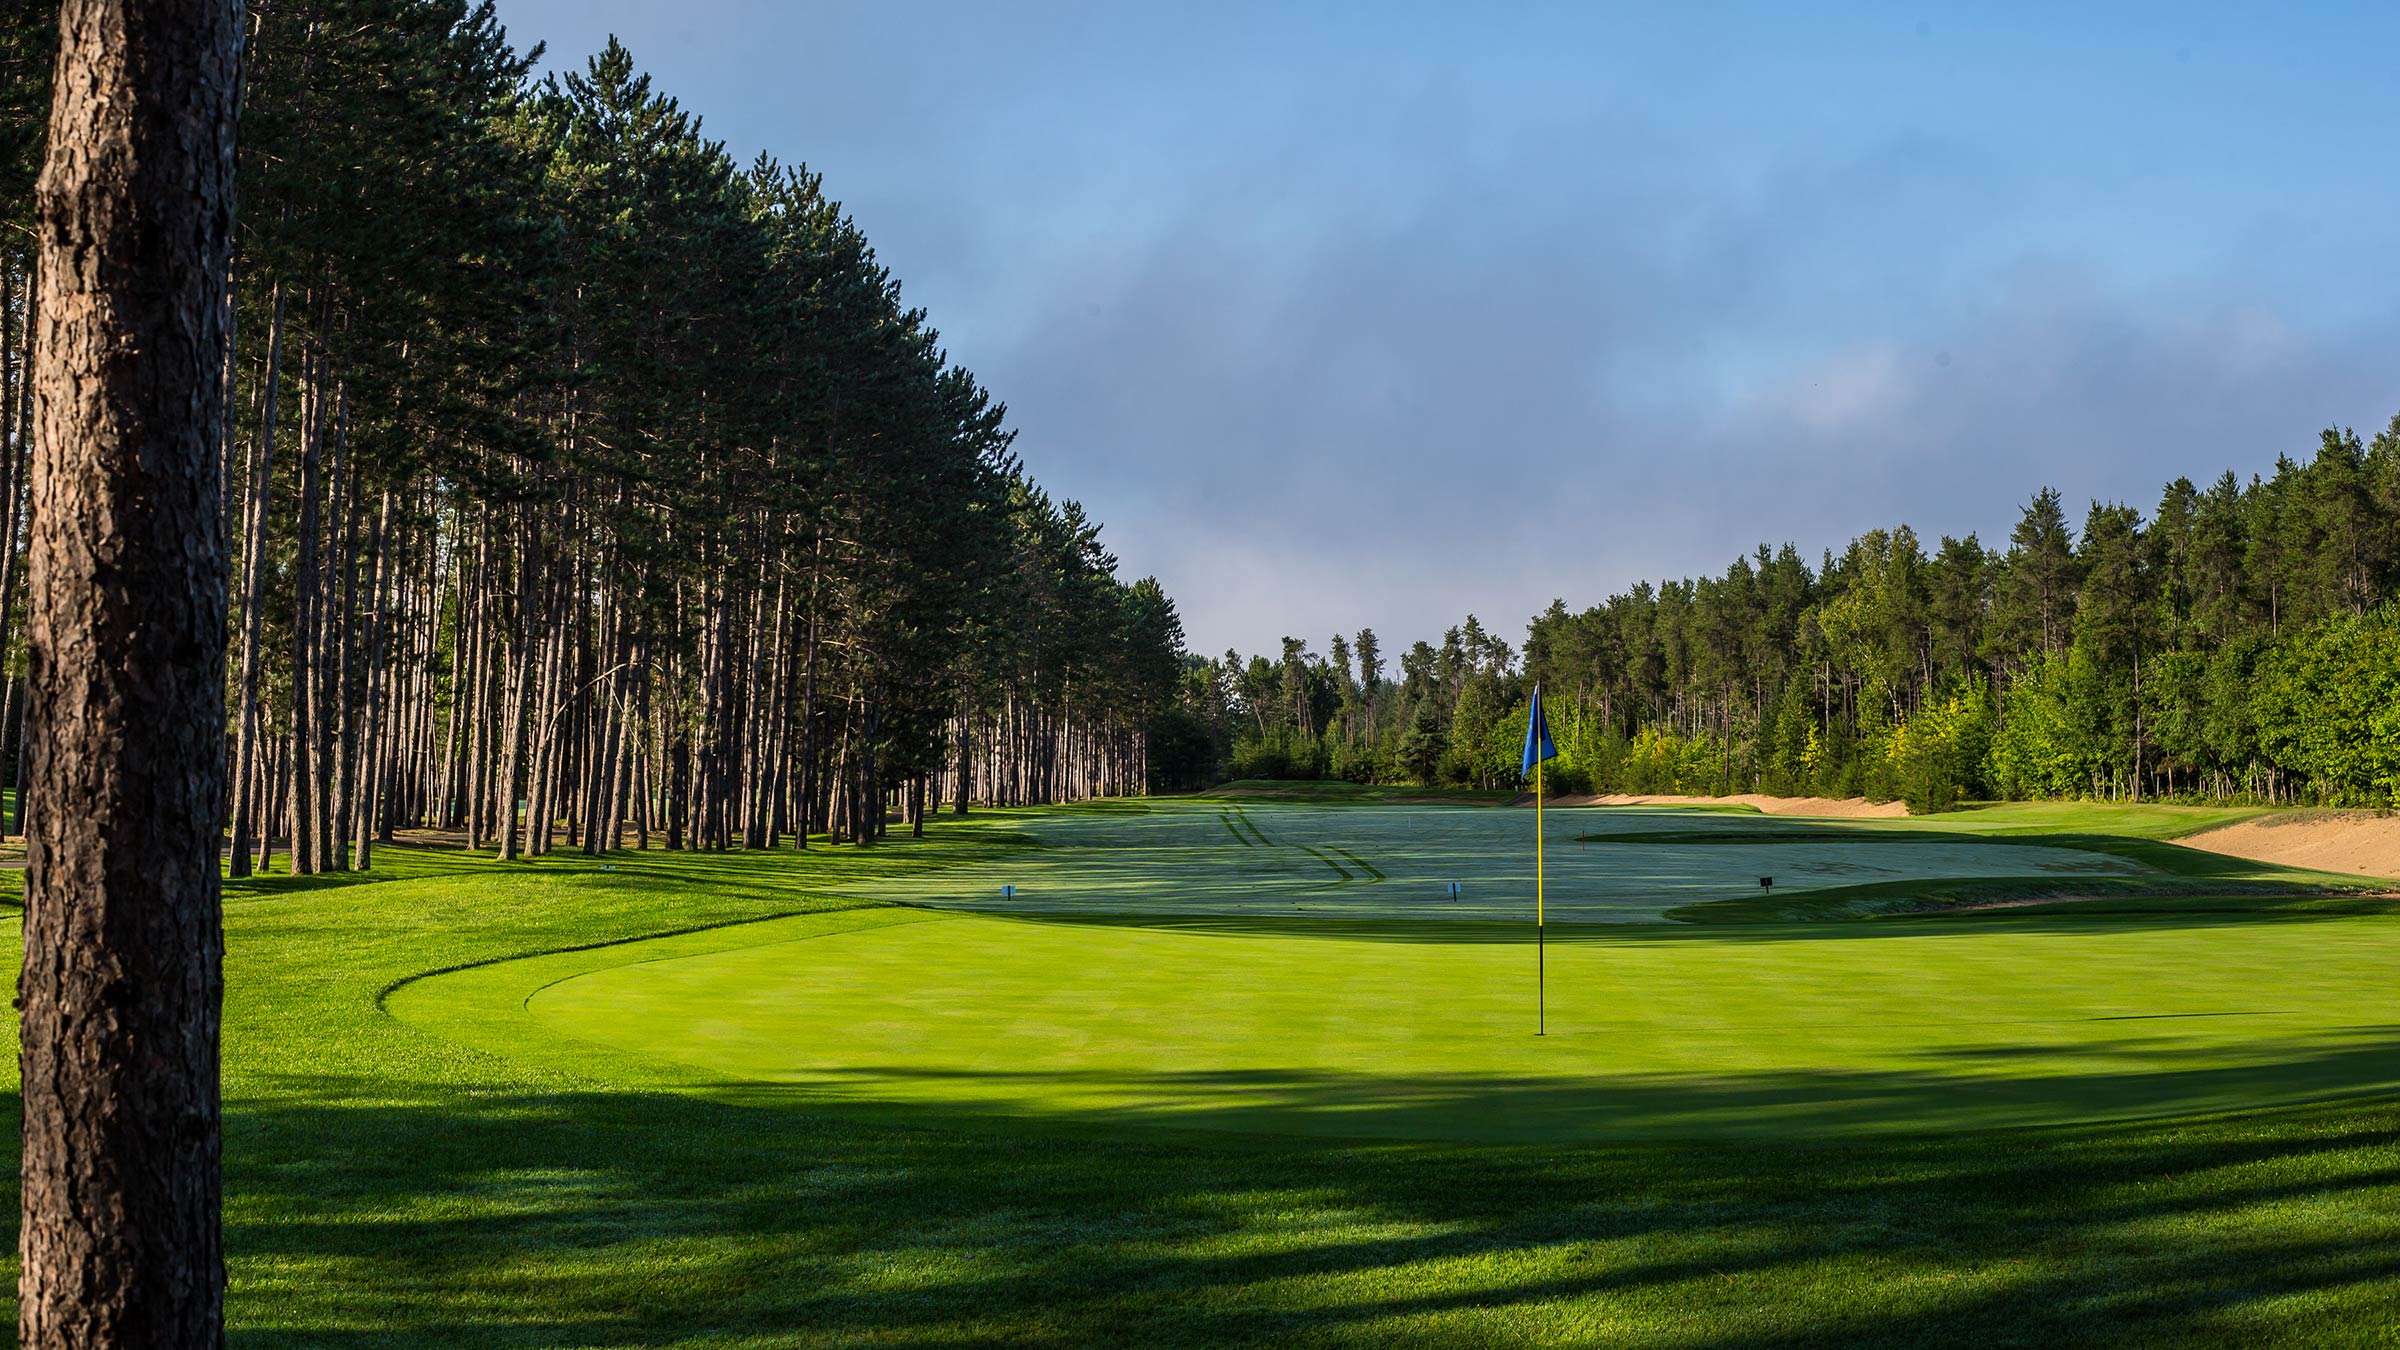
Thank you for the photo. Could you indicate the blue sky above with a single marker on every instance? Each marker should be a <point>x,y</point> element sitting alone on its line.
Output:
<point>1345,315</point>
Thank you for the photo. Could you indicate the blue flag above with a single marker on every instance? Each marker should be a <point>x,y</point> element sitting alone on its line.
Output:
<point>1537,737</point>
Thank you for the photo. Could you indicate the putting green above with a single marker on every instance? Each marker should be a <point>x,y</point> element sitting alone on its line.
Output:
<point>1653,1032</point>
<point>1230,858</point>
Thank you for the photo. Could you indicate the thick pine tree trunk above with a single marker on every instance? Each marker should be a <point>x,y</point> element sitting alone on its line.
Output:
<point>123,975</point>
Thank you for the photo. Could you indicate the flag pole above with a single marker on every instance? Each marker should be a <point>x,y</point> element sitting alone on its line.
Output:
<point>1537,749</point>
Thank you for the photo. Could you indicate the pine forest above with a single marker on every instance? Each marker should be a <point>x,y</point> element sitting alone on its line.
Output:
<point>2241,643</point>
<point>587,489</point>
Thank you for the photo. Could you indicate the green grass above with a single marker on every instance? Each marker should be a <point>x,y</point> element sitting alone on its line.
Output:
<point>1240,857</point>
<point>414,1159</point>
<point>1820,1033</point>
<point>2160,875</point>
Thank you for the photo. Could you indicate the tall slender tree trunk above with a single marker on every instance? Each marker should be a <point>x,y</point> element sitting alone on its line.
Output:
<point>964,788</point>
<point>511,776</point>
<point>643,787</point>
<point>474,705</point>
<point>305,670</point>
<point>16,380</point>
<point>767,665</point>
<point>123,978</point>
<point>370,752</point>
<point>254,572</point>
<point>12,506</point>
<point>339,728</point>
<point>809,750</point>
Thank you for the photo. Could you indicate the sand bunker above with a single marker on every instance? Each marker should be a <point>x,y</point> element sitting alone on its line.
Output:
<point>1773,806</point>
<point>2352,841</point>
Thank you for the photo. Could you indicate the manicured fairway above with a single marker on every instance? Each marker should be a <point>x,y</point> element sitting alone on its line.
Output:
<point>416,1157</point>
<point>1652,1034</point>
<point>1234,857</point>
<point>1193,964</point>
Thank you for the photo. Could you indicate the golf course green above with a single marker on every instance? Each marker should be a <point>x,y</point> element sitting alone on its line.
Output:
<point>1230,987</point>
<point>1236,857</point>
<point>746,1099</point>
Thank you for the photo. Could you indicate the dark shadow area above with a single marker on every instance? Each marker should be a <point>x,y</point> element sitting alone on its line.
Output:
<point>2013,898</point>
<point>574,1220</point>
<point>1809,833</point>
<point>733,874</point>
<point>2132,913</point>
<point>2171,873</point>
<point>832,864</point>
<point>1946,1088</point>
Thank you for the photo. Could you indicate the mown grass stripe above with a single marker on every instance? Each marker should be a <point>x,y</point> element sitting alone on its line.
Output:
<point>1337,867</point>
<point>1762,1100</point>
<point>1373,872</point>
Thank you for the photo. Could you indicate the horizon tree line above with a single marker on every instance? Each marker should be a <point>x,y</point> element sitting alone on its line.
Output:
<point>2240,643</point>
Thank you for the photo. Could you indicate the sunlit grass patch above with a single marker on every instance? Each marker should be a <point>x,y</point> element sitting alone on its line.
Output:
<point>476,1178</point>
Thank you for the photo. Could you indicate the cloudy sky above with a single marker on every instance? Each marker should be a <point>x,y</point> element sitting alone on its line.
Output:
<point>1377,314</point>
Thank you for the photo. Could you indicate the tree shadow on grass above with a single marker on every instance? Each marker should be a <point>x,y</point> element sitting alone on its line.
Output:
<point>1945,1089</point>
<point>604,1219</point>
<point>2131,911</point>
<point>733,874</point>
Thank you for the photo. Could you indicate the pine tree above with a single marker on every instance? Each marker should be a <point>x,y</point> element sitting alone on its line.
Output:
<point>123,973</point>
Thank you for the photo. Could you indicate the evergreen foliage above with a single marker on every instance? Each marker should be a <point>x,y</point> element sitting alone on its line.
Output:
<point>585,482</point>
<point>2242,643</point>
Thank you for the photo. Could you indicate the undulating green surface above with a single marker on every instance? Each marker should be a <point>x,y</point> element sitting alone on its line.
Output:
<point>1234,857</point>
<point>463,1174</point>
<point>1807,1033</point>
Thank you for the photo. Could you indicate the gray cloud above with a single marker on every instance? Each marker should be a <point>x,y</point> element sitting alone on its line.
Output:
<point>1340,325</point>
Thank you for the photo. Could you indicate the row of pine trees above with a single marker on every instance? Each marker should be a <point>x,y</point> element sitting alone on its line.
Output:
<point>589,489</point>
<point>2241,642</point>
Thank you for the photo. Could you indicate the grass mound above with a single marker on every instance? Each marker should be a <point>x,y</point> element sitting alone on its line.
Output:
<point>1819,1033</point>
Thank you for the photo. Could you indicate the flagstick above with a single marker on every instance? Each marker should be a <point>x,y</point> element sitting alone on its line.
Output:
<point>1541,953</point>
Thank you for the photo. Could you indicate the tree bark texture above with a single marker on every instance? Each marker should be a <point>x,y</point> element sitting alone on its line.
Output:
<point>123,973</point>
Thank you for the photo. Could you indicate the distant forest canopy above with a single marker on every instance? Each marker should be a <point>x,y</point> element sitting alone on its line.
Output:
<point>584,481</point>
<point>2243,643</point>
